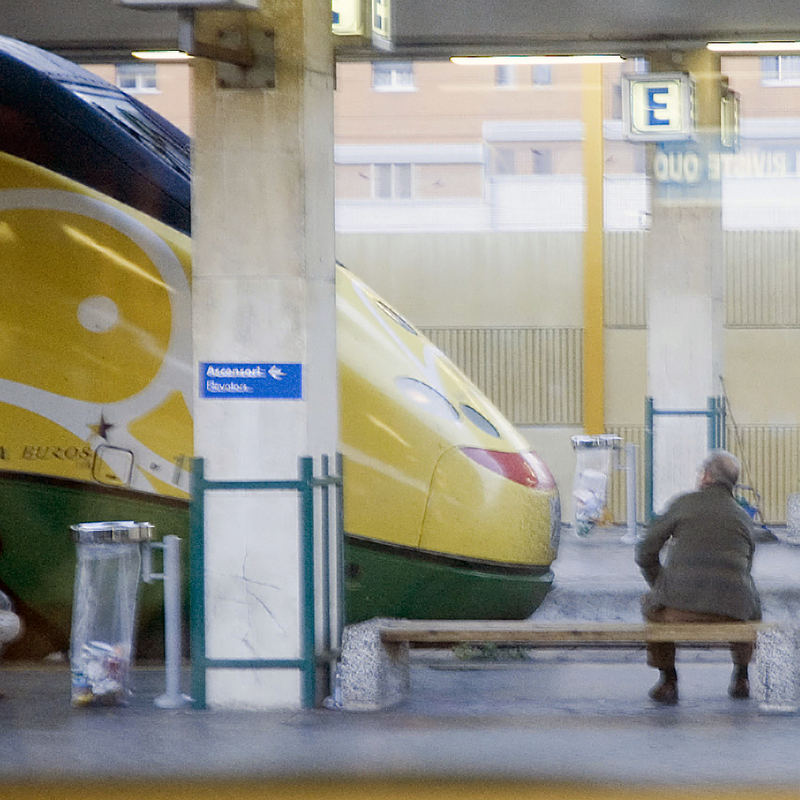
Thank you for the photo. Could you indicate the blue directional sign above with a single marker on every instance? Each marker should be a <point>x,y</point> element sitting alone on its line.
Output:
<point>251,381</point>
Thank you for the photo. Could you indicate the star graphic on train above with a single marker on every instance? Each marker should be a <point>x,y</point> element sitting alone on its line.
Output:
<point>102,428</point>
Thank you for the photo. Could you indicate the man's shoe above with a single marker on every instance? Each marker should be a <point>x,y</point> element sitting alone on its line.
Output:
<point>665,692</point>
<point>739,689</point>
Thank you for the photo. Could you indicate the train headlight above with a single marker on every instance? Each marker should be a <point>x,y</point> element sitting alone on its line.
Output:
<point>525,468</point>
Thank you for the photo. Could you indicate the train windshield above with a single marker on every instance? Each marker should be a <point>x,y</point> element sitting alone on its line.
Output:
<point>141,126</point>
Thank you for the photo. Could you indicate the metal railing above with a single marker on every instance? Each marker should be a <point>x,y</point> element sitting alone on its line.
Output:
<point>306,485</point>
<point>715,416</point>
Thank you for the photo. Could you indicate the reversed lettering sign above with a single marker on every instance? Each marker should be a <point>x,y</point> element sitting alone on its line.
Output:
<point>267,380</point>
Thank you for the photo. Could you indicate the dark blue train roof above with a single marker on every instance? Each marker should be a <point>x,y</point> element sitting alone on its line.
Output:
<point>63,117</point>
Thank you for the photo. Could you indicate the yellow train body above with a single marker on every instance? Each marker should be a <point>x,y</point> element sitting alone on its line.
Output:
<point>97,388</point>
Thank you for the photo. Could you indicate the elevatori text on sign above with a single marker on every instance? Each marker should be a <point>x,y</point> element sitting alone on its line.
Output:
<point>267,381</point>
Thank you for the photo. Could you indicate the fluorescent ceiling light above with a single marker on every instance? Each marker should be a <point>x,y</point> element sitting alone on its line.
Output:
<point>754,47</point>
<point>502,60</point>
<point>161,55</point>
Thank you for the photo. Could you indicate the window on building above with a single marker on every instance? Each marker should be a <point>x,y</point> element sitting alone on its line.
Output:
<point>393,76</point>
<point>541,161</point>
<point>616,101</point>
<point>780,70</point>
<point>504,161</point>
<point>541,74</point>
<point>504,75</point>
<point>391,181</point>
<point>136,77</point>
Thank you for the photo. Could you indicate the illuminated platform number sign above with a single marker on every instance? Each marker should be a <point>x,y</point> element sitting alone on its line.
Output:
<point>347,16</point>
<point>658,107</point>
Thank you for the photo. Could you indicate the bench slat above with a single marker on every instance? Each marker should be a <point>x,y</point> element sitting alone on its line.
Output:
<point>569,633</point>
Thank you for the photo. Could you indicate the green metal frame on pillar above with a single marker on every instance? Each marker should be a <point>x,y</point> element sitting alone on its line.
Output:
<point>308,661</point>
<point>715,413</point>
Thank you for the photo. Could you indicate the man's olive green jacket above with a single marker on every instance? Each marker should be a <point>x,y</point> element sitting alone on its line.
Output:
<point>698,556</point>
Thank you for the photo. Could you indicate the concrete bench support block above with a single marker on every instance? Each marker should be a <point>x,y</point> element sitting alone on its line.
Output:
<point>776,677</point>
<point>374,675</point>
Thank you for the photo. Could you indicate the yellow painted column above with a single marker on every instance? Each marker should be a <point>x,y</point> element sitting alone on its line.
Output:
<point>593,301</point>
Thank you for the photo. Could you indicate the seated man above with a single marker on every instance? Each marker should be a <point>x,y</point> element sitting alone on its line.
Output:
<point>705,576</point>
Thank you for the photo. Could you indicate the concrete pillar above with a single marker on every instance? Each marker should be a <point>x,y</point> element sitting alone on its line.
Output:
<point>684,283</point>
<point>263,283</point>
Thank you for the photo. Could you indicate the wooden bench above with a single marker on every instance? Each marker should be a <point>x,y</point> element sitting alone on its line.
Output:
<point>375,666</point>
<point>440,633</point>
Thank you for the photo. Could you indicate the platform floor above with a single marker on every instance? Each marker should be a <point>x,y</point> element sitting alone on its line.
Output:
<point>546,724</point>
<point>538,720</point>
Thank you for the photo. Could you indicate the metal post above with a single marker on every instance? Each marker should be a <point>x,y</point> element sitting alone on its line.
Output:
<point>325,513</point>
<point>711,438</point>
<point>197,594</point>
<point>308,610</point>
<point>630,490</point>
<point>648,458</point>
<point>630,462</point>
<point>339,526</point>
<point>172,697</point>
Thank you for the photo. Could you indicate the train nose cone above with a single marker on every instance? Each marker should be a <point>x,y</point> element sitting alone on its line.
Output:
<point>493,506</point>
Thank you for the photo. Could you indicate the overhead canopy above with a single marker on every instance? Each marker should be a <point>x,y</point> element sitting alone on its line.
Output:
<point>88,30</point>
<point>627,26</point>
<point>94,30</point>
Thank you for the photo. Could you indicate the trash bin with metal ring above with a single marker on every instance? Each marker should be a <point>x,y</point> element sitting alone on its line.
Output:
<point>104,609</point>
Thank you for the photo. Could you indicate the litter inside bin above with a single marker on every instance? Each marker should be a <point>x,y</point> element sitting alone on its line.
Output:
<point>100,674</point>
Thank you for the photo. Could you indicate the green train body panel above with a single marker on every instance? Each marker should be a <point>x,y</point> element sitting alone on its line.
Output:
<point>37,565</point>
<point>37,562</point>
<point>392,582</point>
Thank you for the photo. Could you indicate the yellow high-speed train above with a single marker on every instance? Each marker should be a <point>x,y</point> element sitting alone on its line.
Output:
<point>447,511</point>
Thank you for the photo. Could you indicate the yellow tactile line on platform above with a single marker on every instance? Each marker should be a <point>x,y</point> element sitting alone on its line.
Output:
<point>333,789</point>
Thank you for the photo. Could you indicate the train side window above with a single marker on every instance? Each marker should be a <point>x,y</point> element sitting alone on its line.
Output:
<point>112,466</point>
<point>400,320</point>
<point>427,397</point>
<point>141,127</point>
<point>479,421</point>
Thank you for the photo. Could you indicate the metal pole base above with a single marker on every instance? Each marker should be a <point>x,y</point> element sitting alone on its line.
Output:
<point>172,700</point>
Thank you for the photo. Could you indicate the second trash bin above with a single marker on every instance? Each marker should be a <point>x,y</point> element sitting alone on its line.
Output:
<point>104,609</point>
<point>590,486</point>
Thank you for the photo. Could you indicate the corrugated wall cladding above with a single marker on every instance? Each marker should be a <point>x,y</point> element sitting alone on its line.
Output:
<point>762,283</point>
<point>762,279</point>
<point>770,456</point>
<point>533,375</point>
<point>624,279</point>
